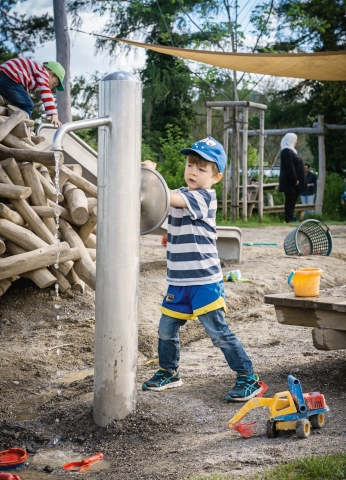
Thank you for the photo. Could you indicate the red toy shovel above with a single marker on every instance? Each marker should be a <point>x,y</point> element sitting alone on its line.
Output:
<point>85,463</point>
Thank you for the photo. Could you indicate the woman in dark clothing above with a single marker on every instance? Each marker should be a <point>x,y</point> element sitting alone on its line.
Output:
<point>292,175</point>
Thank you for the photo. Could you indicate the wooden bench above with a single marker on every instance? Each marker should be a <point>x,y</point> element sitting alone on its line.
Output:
<point>325,313</point>
<point>228,243</point>
<point>301,208</point>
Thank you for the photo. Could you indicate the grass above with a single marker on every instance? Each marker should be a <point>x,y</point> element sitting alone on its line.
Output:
<point>272,220</point>
<point>320,467</point>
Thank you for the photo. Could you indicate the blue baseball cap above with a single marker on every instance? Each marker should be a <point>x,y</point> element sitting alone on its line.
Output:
<point>211,150</point>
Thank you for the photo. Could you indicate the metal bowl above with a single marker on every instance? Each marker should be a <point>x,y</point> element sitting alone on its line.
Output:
<point>154,200</point>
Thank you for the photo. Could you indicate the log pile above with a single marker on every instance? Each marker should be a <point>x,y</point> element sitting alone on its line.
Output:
<point>30,242</point>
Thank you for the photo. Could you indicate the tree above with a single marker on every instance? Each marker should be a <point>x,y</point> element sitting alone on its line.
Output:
<point>317,25</point>
<point>63,56</point>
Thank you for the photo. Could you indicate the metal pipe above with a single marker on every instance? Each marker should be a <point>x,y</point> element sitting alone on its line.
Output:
<point>72,135</point>
<point>78,125</point>
<point>236,103</point>
<point>117,271</point>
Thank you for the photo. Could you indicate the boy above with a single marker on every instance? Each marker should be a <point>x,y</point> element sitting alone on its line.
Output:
<point>22,75</point>
<point>194,275</point>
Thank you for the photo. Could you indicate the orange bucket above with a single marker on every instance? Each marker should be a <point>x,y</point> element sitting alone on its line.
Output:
<point>306,282</point>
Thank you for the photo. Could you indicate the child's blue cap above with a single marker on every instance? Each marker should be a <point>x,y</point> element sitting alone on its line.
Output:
<point>211,150</point>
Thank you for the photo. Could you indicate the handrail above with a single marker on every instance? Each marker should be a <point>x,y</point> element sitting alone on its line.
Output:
<point>78,125</point>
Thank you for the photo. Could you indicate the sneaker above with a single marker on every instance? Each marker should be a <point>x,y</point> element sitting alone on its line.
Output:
<point>246,387</point>
<point>162,380</point>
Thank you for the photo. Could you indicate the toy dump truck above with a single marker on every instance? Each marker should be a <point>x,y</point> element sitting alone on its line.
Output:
<point>289,410</point>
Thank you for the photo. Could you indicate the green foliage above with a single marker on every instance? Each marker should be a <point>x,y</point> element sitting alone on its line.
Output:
<point>332,203</point>
<point>172,166</point>
<point>147,153</point>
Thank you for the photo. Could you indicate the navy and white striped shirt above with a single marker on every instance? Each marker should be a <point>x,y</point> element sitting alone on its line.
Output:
<point>192,257</point>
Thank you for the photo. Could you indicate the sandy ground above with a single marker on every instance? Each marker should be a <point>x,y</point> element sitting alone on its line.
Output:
<point>46,399</point>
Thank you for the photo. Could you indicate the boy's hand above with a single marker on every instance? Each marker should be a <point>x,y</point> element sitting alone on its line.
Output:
<point>55,120</point>
<point>149,163</point>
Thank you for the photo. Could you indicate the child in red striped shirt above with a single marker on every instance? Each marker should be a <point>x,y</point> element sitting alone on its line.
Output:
<point>22,75</point>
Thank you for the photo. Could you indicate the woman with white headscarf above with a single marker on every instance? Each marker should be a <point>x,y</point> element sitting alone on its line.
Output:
<point>292,175</point>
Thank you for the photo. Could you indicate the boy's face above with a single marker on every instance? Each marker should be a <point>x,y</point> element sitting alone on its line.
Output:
<point>197,176</point>
<point>53,80</point>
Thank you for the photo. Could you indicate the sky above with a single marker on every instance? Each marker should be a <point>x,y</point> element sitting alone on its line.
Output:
<point>84,60</point>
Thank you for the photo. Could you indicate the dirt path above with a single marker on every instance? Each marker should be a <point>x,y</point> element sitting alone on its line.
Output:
<point>180,432</point>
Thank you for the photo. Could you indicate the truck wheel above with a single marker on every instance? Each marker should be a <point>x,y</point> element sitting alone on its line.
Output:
<point>271,431</point>
<point>303,428</point>
<point>317,421</point>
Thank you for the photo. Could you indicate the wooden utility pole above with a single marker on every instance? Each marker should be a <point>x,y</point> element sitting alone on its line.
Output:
<point>62,56</point>
<point>321,168</point>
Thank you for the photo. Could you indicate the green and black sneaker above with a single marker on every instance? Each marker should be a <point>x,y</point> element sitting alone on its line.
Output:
<point>162,380</point>
<point>246,387</point>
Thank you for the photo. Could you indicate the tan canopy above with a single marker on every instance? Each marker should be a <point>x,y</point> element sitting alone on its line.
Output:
<point>329,66</point>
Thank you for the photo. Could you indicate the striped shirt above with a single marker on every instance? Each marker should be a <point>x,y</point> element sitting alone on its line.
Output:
<point>192,257</point>
<point>32,76</point>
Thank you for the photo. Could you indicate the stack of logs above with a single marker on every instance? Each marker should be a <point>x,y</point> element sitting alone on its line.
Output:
<point>28,244</point>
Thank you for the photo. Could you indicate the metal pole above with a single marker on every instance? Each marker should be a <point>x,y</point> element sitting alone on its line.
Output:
<point>321,168</point>
<point>261,157</point>
<point>244,167</point>
<point>225,146</point>
<point>117,271</point>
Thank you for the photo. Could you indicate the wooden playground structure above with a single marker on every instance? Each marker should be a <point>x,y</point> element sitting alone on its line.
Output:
<point>255,196</point>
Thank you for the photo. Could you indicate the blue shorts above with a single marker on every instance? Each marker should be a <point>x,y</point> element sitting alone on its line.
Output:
<point>186,303</point>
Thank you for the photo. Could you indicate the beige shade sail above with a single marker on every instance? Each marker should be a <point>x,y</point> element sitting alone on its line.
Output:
<point>330,66</point>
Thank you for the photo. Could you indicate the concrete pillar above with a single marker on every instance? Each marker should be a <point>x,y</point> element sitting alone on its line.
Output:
<point>117,268</point>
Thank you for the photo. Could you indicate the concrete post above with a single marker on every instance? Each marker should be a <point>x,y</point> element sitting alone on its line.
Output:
<point>117,269</point>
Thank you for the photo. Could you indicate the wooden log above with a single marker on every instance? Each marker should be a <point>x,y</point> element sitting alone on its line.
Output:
<point>63,283</point>
<point>46,212</point>
<point>28,141</point>
<point>80,182</point>
<point>79,286</point>
<point>33,220</point>
<point>65,214</point>
<point>44,171</point>
<point>88,227</point>
<point>27,155</point>
<point>41,276</point>
<point>44,146</point>
<point>72,277</point>
<point>49,189</point>
<point>21,130</point>
<point>77,202</point>
<point>38,196</point>
<point>76,168</point>
<point>38,139</point>
<point>92,203</point>
<point>92,253</point>
<point>90,242</point>
<point>84,267</point>
<point>63,176</point>
<point>14,191</point>
<point>13,171</point>
<point>3,111</point>
<point>29,123</point>
<point>10,123</point>
<point>14,142</point>
<point>11,109</point>
<point>11,215</point>
<point>25,262</point>
<point>2,246</point>
<point>4,284</point>
<point>1,100</point>
<point>28,240</point>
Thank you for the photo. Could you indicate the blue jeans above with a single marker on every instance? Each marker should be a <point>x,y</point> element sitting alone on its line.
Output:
<point>217,329</point>
<point>306,199</point>
<point>16,94</point>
